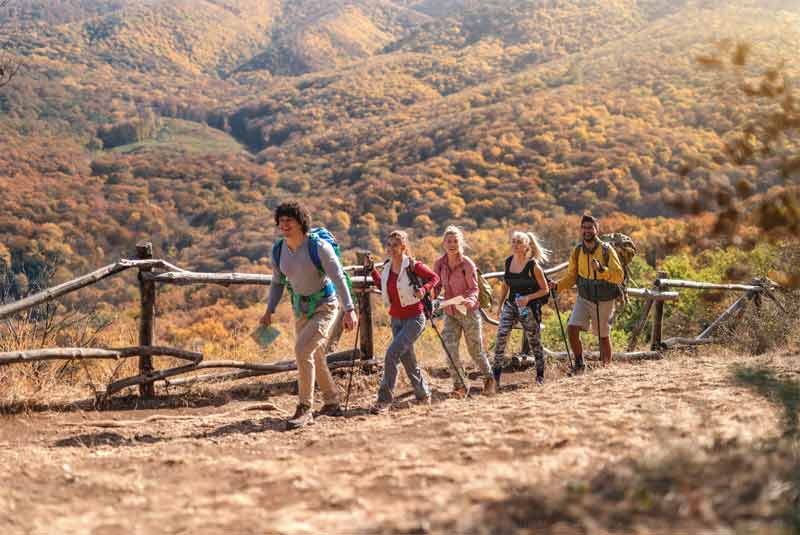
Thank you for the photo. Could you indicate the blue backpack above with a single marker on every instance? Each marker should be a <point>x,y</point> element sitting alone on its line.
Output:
<point>314,236</point>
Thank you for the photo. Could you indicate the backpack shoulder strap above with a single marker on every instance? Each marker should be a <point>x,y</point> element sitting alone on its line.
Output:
<point>412,275</point>
<point>277,247</point>
<point>576,251</point>
<point>313,251</point>
<point>606,253</point>
<point>529,267</point>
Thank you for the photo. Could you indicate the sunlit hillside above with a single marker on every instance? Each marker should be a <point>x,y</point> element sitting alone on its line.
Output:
<point>184,122</point>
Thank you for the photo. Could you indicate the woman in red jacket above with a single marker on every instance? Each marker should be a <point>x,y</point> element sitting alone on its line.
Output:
<point>404,299</point>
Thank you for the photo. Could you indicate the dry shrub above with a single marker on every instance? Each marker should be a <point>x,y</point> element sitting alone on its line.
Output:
<point>45,326</point>
<point>766,326</point>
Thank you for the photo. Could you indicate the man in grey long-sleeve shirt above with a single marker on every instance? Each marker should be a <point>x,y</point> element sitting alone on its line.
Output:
<point>314,300</point>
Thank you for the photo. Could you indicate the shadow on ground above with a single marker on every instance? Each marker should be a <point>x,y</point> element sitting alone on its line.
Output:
<point>747,487</point>
<point>178,399</point>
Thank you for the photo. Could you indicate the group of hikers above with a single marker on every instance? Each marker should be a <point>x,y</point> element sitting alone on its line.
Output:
<point>308,265</point>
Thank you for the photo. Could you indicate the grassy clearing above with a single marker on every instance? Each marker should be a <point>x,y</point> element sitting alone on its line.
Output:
<point>179,137</point>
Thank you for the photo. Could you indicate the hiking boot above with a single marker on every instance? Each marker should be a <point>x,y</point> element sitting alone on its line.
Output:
<point>540,372</point>
<point>303,416</point>
<point>579,367</point>
<point>426,401</point>
<point>331,409</point>
<point>497,372</point>
<point>489,386</point>
<point>459,392</point>
<point>380,407</point>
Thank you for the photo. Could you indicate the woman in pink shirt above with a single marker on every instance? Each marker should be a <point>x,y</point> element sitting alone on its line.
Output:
<point>459,277</point>
<point>403,297</point>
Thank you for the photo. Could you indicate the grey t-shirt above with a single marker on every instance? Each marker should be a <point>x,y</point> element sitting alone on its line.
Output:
<point>304,277</point>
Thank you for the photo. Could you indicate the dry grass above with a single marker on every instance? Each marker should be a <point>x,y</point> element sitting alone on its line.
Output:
<point>56,382</point>
<point>767,326</point>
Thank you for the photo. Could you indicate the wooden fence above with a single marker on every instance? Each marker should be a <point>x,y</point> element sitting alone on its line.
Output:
<point>153,272</point>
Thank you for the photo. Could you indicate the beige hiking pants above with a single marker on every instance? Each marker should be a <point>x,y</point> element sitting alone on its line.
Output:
<point>311,338</point>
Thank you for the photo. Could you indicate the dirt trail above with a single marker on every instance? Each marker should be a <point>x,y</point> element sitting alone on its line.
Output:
<point>444,468</point>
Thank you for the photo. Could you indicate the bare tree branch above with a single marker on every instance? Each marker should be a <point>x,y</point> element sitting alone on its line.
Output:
<point>9,63</point>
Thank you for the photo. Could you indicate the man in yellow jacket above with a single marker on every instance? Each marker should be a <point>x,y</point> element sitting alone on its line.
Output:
<point>596,270</point>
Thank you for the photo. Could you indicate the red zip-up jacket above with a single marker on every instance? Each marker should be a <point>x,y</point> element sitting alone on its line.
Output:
<point>400,312</point>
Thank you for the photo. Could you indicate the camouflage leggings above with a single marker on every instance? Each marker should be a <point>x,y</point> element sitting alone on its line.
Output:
<point>470,324</point>
<point>530,329</point>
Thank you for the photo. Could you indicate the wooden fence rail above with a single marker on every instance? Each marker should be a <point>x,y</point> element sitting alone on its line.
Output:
<point>149,279</point>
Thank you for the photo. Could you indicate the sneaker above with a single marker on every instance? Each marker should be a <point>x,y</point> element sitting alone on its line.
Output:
<point>331,409</point>
<point>539,379</point>
<point>459,392</point>
<point>489,386</point>
<point>380,407</point>
<point>303,416</point>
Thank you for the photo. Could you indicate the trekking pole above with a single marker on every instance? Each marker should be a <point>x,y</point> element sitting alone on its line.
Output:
<point>352,364</point>
<point>427,309</point>
<point>561,324</point>
<point>447,351</point>
<point>597,308</point>
<point>364,295</point>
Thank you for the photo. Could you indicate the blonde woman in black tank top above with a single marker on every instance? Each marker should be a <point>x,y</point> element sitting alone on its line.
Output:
<point>524,284</point>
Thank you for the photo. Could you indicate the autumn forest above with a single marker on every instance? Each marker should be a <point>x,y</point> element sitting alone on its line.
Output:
<point>184,122</point>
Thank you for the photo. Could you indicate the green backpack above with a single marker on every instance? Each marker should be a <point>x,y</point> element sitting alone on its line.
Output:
<point>485,293</point>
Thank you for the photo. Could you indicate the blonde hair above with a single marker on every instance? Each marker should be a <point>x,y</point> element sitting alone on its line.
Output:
<point>453,230</point>
<point>535,249</point>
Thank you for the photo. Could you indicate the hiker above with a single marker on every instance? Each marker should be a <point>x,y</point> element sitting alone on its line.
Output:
<point>524,290</point>
<point>459,277</point>
<point>408,316</point>
<point>314,291</point>
<point>595,268</point>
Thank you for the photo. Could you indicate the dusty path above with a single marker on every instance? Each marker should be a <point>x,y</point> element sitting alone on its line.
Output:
<point>535,457</point>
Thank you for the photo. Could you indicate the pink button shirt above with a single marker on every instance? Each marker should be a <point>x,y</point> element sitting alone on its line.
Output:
<point>459,280</point>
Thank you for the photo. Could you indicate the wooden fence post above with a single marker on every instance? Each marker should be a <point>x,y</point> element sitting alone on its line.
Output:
<point>147,320</point>
<point>365,315</point>
<point>658,317</point>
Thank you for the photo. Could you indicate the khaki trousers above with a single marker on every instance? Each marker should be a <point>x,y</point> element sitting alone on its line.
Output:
<point>311,339</point>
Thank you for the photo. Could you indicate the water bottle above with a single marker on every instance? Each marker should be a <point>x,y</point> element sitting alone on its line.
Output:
<point>523,310</point>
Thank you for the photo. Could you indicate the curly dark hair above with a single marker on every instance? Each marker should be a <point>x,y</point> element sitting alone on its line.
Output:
<point>296,211</point>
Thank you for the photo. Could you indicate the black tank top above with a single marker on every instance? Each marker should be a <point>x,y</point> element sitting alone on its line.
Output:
<point>522,283</point>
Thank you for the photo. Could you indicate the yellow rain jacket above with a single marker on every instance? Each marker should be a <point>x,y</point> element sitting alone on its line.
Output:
<point>594,285</point>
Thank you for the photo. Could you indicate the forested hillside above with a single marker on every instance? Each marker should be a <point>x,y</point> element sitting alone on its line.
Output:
<point>185,122</point>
